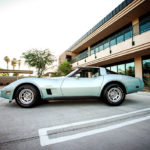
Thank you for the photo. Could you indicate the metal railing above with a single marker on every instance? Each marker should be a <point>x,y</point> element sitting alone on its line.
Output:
<point>127,33</point>
<point>80,56</point>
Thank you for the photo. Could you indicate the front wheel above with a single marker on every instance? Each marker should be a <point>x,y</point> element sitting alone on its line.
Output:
<point>114,94</point>
<point>27,96</point>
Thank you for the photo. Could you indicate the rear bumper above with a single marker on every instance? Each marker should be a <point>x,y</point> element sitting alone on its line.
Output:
<point>135,85</point>
<point>141,84</point>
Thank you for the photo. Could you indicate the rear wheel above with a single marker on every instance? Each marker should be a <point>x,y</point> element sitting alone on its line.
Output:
<point>27,96</point>
<point>114,94</point>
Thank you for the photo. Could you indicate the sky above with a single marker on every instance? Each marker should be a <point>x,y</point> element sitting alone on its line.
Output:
<point>42,24</point>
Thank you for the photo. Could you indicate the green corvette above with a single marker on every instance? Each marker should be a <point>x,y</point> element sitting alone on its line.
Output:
<point>84,82</point>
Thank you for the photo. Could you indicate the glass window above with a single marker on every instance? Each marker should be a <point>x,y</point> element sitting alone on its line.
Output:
<point>108,68</point>
<point>120,38</point>
<point>97,49</point>
<point>114,68</point>
<point>146,72</point>
<point>121,69</point>
<point>101,48</point>
<point>106,45</point>
<point>110,72</point>
<point>128,34</point>
<point>145,27</point>
<point>83,55</point>
<point>125,68</point>
<point>92,51</point>
<point>130,69</point>
<point>145,23</point>
<point>113,42</point>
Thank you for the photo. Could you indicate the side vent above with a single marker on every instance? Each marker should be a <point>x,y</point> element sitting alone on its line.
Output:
<point>49,91</point>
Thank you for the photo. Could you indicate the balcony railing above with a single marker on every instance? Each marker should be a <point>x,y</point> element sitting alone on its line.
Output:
<point>80,56</point>
<point>125,34</point>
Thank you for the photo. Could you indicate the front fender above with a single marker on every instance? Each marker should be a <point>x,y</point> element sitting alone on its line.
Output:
<point>14,85</point>
<point>41,84</point>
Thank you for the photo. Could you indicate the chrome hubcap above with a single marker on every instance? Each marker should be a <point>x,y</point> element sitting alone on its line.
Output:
<point>26,96</point>
<point>115,94</point>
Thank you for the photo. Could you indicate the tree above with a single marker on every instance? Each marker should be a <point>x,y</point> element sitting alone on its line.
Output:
<point>6,58</point>
<point>19,63</point>
<point>39,59</point>
<point>63,69</point>
<point>14,63</point>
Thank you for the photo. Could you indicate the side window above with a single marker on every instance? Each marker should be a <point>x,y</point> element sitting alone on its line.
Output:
<point>95,72</point>
<point>87,73</point>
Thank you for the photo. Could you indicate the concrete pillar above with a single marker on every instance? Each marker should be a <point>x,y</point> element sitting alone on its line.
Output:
<point>89,50</point>
<point>138,67</point>
<point>135,25</point>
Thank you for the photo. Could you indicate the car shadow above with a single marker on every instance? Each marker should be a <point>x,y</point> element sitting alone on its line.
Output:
<point>74,102</point>
<point>85,102</point>
<point>52,103</point>
<point>131,102</point>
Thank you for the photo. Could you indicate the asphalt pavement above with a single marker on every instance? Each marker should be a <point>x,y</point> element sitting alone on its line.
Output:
<point>77,125</point>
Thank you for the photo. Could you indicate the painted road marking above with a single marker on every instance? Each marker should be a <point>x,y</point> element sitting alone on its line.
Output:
<point>47,141</point>
<point>44,139</point>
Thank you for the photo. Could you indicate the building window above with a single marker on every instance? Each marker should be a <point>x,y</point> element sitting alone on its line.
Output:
<point>146,71</point>
<point>128,34</point>
<point>101,47</point>
<point>120,38</point>
<point>121,69</point>
<point>145,24</point>
<point>108,68</point>
<point>113,42</point>
<point>106,45</point>
<point>92,51</point>
<point>130,69</point>
<point>97,49</point>
<point>83,55</point>
<point>68,58</point>
<point>126,68</point>
<point>114,68</point>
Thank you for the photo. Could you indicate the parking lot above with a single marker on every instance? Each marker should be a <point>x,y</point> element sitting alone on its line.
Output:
<point>77,124</point>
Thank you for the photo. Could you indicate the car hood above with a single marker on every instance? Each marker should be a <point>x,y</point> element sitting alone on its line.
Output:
<point>39,82</point>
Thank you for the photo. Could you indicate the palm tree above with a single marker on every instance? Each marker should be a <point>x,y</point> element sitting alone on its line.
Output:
<point>6,58</point>
<point>19,63</point>
<point>14,63</point>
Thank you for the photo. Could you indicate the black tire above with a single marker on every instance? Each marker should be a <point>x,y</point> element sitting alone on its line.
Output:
<point>114,94</point>
<point>27,96</point>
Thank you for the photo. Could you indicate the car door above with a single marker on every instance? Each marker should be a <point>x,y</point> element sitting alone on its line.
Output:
<point>81,86</point>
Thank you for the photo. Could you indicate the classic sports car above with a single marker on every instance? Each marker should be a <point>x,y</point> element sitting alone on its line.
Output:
<point>84,82</point>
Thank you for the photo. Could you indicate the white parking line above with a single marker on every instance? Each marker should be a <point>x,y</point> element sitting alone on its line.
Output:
<point>44,139</point>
